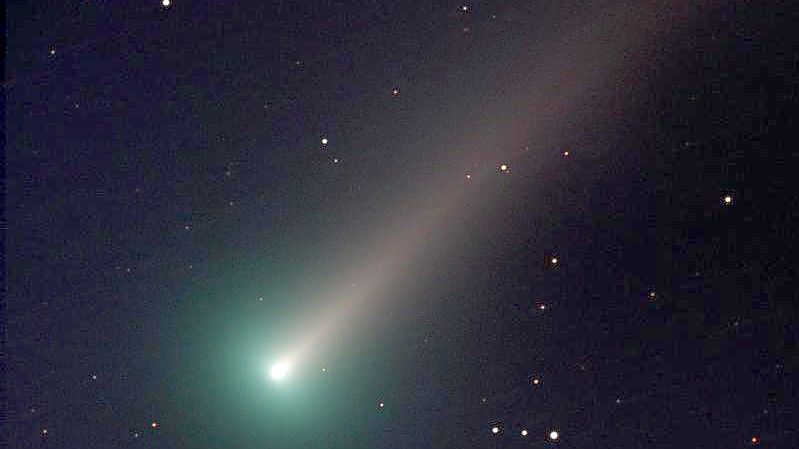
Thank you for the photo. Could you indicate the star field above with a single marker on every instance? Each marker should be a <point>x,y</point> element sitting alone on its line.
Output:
<point>400,225</point>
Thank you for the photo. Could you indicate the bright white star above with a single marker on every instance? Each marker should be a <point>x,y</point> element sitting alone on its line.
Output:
<point>279,370</point>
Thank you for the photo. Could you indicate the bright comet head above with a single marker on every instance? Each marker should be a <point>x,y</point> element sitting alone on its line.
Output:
<point>279,370</point>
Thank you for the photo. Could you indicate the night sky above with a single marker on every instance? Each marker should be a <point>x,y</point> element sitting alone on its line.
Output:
<point>366,225</point>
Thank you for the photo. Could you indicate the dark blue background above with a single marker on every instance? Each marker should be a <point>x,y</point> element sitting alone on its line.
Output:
<point>146,121</point>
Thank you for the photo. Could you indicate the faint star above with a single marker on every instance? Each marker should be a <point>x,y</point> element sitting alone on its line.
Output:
<point>52,52</point>
<point>468,176</point>
<point>136,435</point>
<point>395,91</point>
<point>187,227</point>
<point>94,376</point>
<point>231,203</point>
<point>542,307</point>
<point>335,160</point>
<point>260,298</point>
<point>652,295</point>
<point>483,400</point>
<point>755,440</point>
<point>464,8</point>
<point>324,370</point>
<point>618,401</point>
<point>44,432</point>
<point>566,153</point>
<point>536,381</point>
<point>154,424</point>
<point>728,200</point>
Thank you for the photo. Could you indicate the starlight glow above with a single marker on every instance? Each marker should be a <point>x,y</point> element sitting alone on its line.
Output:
<point>279,370</point>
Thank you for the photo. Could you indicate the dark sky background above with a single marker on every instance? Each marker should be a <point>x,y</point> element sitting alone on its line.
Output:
<point>175,223</point>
